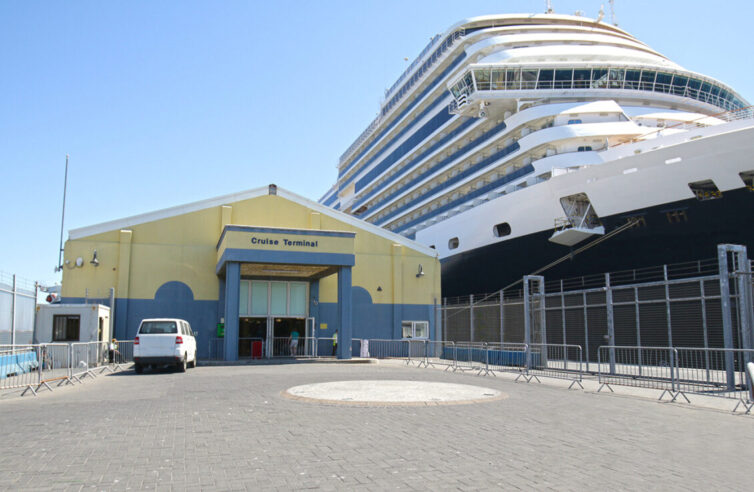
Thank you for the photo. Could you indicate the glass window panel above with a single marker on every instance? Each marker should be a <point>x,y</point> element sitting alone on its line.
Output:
<point>498,79</point>
<point>679,84</point>
<point>243,298</point>
<point>599,78</point>
<point>632,79</point>
<point>581,78</point>
<point>662,82</point>
<point>528,79</point>
<point>258,298</point>
<point>421,329</point>
<point>563,79</point>
<point>278,298</point>
<point>298,299</point>
<point>545,79</point>
<point>616,78</point>
<point>482,79</point>
<point>695,83</point>
<point>513,79</point>
<point>647,80</point>
<point>406,329</point>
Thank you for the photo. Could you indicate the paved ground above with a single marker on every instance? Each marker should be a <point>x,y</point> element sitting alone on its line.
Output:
<point>229,428</point>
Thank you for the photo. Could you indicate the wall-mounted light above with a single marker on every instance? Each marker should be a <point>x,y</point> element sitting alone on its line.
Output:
<point>420,273</point>
<point>95,260</point>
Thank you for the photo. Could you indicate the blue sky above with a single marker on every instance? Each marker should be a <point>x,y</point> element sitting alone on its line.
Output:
<point>164,103</point>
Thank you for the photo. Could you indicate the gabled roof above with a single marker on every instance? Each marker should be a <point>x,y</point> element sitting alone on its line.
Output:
<point>165,213</point>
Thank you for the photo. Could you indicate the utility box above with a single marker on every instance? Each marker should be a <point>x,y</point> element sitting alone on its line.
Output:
<point>69,323</point>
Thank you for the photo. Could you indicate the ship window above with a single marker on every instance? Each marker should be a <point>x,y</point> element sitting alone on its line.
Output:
<point>563,79</point>
<point>705,190</point>
<point>453,243</point>
<point>581,79</point>
<point>584,148</point>
<point>679,84</point>
<point>599,78</point>
<point>501,230</point>
<point>513,79</point>
<point>545,79</point>
<point>676,216</point>
<point>748,178</point>
<point>662,82</point>
<point>498,79</point>
<point>482,79</point>
<point>647,80</point>
<point>632,79</point>
<point>616,78</point>
<point>574,122</point>
<point>528,79</point>
<point>432,246</point>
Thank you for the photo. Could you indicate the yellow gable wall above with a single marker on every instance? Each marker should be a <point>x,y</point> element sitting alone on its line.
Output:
<point>183,248</point>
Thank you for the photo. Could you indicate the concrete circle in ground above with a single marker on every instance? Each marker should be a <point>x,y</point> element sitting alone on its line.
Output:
<point>390,392</point>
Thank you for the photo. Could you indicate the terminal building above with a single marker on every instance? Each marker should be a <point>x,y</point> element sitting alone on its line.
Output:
<point>256,266</point>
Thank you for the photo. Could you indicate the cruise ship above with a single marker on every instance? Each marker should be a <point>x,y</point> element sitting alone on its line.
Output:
<point>552,144</point>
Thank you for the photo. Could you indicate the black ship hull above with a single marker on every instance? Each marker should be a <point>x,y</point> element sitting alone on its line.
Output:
<point>681,231</point>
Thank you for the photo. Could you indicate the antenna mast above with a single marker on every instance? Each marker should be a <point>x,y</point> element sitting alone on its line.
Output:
<point>62,218</point>
<point>548,7</point>
<point>613,19</point>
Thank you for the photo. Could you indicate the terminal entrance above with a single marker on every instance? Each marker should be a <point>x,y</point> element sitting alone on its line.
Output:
<point>266,337</point>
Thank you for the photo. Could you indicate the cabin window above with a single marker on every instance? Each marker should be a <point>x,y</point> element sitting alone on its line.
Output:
<point>501,230</point>
<point>574,122</point>
<point>453,243</point>
<point>748,178</point>
<point>584,148</point>
<point>65,328</point>
<point>432,246</point>
<point>705,190</point>
<point>676,216</point>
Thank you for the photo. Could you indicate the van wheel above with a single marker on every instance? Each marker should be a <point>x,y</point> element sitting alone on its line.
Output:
<point>138,368</point>
<point>193,362</point>
<point>183,364</point>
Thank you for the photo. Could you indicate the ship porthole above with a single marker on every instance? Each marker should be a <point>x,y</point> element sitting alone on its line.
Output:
<point>502,229</point>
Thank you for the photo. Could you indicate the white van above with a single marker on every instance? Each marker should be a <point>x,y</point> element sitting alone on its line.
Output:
<point>164,341</point>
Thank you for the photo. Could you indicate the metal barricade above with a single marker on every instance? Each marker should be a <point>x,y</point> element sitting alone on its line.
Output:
<point>85,359</point>
<point>388,349</point>
<point>713,372</point>
<point>466,354</point>
<point>19,366</point>
<point>505,357</point>
<point>437,354</point>
<point>120,354</point>
<point>641,367</point>
<point>557,361</point>
<point>54,365</point>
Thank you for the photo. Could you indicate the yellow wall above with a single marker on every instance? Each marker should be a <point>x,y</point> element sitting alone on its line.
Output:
<point>141,258</point>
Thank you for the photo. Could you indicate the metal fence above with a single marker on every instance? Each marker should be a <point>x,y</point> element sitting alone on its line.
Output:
<point>35,366</point>
<point>704,304</point>
<point>18,304</point>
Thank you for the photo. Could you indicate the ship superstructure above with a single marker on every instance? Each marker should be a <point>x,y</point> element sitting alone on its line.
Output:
<point>514,139</point>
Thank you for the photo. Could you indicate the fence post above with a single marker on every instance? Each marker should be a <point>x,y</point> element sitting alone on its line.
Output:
<point>743,280</point>
<point>13,315</point>
<point>502,319</point>
<point>667,305</point>
<point>704,328</point>
<point>638,326</point>
<point>725,306</point>
<point>471,317</point>
<point>610,321</point>
<point>586,330</point>
<point>527,321</point>
<point>445,317</point>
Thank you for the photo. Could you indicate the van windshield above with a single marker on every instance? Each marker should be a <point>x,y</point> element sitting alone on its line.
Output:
<point>158,327</point>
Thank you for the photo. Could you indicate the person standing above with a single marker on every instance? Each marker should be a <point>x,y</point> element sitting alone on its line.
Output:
<point>293,343</point>
<point>335,342</point>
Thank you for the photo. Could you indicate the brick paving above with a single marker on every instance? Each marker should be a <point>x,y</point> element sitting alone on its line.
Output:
<point>229,428</point>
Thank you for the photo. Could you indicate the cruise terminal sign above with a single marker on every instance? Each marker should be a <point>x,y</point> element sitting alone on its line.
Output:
<point>285,242</point>
<point>291,240</point>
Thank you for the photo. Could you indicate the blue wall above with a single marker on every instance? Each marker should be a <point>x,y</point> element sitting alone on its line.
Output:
<point>176,300</point>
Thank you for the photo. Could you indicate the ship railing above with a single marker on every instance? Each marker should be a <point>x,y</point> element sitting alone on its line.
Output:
<point>745,113</point>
